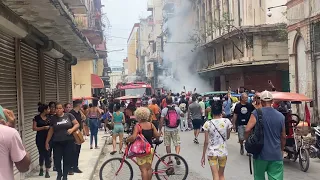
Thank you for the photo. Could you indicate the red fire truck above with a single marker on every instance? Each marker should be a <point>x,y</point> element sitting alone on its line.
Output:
<point>133,89</point>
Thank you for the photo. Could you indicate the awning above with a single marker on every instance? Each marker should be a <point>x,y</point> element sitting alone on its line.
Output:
<point>96,82</point>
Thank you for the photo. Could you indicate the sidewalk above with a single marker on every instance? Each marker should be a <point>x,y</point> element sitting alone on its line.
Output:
<point>88,161</point>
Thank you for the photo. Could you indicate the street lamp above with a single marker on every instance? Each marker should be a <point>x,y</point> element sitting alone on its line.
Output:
<point>269,13</point>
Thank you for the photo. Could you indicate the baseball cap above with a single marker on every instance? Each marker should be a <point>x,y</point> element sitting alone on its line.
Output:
<point>266,96</point>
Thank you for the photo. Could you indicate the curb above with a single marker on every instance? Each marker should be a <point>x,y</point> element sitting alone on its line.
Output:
<point>101,152</point>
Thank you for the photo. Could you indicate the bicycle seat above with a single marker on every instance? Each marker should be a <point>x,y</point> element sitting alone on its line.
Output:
<point>157,142</point>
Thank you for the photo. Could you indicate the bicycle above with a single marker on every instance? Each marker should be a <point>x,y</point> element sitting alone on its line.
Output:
<point>169,169</point>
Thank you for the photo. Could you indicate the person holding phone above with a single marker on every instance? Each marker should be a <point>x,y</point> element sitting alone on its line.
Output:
<point>11,147</point>
<point>41,124</point>
<point>62,125</point>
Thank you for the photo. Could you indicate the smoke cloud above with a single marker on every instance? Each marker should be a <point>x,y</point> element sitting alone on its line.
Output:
<point>180,56</point>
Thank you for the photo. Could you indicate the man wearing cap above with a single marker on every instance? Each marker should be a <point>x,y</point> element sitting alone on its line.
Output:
<point>270,159</point>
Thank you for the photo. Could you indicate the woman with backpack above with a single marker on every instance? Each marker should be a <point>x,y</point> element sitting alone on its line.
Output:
<point>217,132</point>
<point>148,130</point>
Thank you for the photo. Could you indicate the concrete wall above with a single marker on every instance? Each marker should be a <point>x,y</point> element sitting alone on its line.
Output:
<point>157,17</point>
<point>300,54</point>
<point>252,13</point>
<point>81,79</point>
<point>100,67</point>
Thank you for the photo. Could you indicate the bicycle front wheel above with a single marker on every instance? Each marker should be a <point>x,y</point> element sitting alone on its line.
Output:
<point>171,166</point>
<point>116,168</point>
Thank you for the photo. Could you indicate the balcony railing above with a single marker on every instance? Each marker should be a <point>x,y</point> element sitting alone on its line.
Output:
<point>77,6</point>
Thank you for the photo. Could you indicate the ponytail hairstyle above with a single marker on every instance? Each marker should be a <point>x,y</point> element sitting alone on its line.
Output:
<point>42,107</point>
<point>216,108</point>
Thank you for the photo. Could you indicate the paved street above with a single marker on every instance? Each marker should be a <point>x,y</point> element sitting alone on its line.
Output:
<point>87,162</point>
<point>237,165</point>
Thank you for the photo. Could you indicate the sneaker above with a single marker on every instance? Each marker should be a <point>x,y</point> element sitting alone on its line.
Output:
<point>77,170</point>
<point>47,175</point>
<point>241,150</point>
<point>41,172</point>
<point>178,161</point>
<point>196,141</point>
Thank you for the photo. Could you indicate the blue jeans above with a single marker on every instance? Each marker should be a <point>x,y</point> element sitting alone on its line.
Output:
<point>94,126</point>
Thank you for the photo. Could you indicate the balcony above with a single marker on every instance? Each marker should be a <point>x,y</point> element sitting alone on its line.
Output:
<point>77,6</point>
<point>91,27</point>
<point>153,57</point>
<point>168,5</point>
<point>167,15</point>
<point>150,5</point>
<point>150,37</point>
<point>101,50</point>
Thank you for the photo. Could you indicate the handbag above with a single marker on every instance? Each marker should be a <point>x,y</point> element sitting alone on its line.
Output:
<point>78,137</point>
<point>140,147</point>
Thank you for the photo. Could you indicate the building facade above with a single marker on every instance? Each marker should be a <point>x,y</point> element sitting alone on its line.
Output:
<point>115,76</point>
<point>86,75</point>
<point>240,45</point>
<point>132,50</point>
<point>304,50</point>
<point>39,43</point>
<point>154,52</point>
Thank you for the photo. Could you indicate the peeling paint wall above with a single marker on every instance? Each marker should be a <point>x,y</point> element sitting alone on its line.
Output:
<point>300,65</point>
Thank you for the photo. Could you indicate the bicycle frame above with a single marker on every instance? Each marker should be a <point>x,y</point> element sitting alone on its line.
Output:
<point>134,160</point>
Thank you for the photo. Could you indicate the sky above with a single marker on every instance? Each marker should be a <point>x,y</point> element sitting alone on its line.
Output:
<point>122,15</point>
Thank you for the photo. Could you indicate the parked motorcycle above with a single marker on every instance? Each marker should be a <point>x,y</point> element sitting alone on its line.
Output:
<point>315,148</point>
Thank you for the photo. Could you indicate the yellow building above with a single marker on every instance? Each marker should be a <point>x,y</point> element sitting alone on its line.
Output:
<point>132,50</point>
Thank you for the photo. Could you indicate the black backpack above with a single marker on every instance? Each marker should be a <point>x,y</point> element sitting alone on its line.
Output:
<point>255,142</point>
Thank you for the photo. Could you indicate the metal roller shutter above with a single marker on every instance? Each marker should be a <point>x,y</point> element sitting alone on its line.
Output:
<point>50,79</point>
<point>31,95</point>
<point>69,83</point>
<point>8,86</point>
<point>62,84</point>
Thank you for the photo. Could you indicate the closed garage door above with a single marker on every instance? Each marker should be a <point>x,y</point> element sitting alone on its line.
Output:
<point>31,95</point>
<point>62,84</point>
<point>50,79</point>
<point>8,86</point>
<point>69,83</point>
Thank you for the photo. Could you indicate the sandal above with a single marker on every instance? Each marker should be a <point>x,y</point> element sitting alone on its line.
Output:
<point>120,152</point>
<point>113,152</point>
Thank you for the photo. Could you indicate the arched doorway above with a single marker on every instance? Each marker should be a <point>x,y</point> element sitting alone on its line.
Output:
<point>302,66</point>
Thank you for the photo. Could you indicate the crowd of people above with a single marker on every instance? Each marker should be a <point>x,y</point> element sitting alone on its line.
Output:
<point>54,125</point>
<point>156,116</point>
<point>216,118</point>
